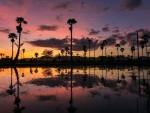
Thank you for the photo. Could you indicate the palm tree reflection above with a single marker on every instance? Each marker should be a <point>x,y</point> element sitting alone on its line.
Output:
<point>17,101</point>
<point>11,89</point>
<point>71,108</point>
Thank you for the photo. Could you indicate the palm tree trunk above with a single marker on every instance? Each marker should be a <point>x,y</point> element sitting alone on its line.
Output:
<point>105,51</point>
<point>146,51</point>
<point>18,51</point>
<point>12,51</point>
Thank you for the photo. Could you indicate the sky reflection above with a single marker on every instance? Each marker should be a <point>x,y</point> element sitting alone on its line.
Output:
<point>95,89</point>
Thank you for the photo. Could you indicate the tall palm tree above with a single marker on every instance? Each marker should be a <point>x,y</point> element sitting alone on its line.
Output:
<point>117,45</point>
<point>67,50</point>
<point>122,50</point>
<point>145,38</point>
<point>19,20</point>
<point>36,55</point>
<point>89,47</point>
<point>23,50</point>
<point>71,22</point>
<point>142,46</point>
<point>133,51</point>
<point>105,43</point>
<point>12,36</point>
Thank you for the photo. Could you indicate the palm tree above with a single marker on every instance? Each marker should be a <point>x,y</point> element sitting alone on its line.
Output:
<point>66,49</point>
<point>36,55</point>
<point>62,51</point>
<point>105,43</point>
<point>19,20</point>
<point>89,47</point>
<point>102,47</point>
<point>111,53</point>
<point>142,46</point>
<point>71,22</point>
<point>23,50</point>
<point>133,50</point>
<point>122,50</point>
<point>145,38</point>
<point>148,54</point>
<point>1,54</point>
<point>117,45</point>
<point>13,36</point>
<point>85,50</point>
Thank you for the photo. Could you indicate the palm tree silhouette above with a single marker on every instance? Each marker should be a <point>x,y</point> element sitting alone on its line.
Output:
<point>13,36</point>
<point>145,38</point>
<point>89,47</point>
<point>102,47</point>
<point>19,20</point>
<point>36,55</point>
<point>23,50</point>
<point>105,43</point>
<point>142,46</point>
<point>71,22</point>
<point>85,50</point>
<point>117,45</point>
<point>66,49</point>
<point>122,50</point>
<point>133,51</point>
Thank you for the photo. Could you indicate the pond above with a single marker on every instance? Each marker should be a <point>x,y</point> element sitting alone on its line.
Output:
<point>89,89</point>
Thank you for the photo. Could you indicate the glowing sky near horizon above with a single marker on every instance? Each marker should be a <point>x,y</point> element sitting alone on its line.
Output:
<point>47,26</point>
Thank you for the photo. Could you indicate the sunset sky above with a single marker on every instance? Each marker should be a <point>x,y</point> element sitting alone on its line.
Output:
<point>114,20</point>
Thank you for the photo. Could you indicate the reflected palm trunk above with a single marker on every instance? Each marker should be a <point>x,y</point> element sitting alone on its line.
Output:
<point>71,108</point>
<point>17,101</point>
<point>11,90</point>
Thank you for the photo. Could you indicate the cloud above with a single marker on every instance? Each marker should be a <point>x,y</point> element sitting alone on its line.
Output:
<point>59,18</point>
<point>62,43</point>
<point>130,5</point>
<point>5,30</point>
<point>105,29</point>
<point>52,43</point>
<point>63,6</point>
<point>115,30</point>
<point>105,9</point>
<point>26,32</point>
<point>47,27</point>
<point>94,32</point>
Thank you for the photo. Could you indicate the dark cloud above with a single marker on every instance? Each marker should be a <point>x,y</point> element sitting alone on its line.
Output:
<point>5,30</point>
<point>26,32</point>
<point>63,6</point>
<point>59,18</point>
<point>94,32</point>
<point>52,42</point>
<point>105,29</point>
<point>115,30</point>
<point>111,41</point>
<point>48,28</point>
<point>105,9</point>
<point>130,5</point>
<point>62,43</point>
<point>123,42</point>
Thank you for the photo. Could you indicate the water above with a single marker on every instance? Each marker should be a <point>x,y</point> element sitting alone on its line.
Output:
<point>98,89</point>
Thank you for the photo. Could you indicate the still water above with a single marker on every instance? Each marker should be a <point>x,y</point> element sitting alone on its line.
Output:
<point>90,89</point>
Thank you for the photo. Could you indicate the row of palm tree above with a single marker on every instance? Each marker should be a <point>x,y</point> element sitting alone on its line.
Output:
<point>68,50</point>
